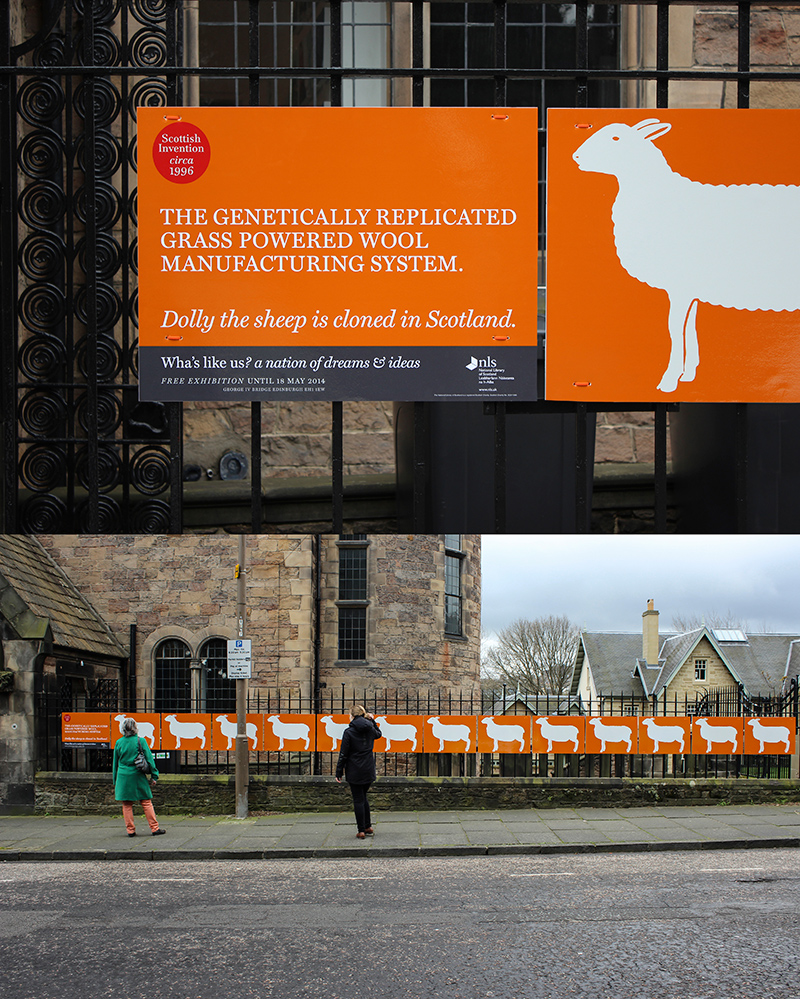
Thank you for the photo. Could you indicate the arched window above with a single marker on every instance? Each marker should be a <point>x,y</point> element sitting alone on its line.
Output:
<point>173,687</point>
<point>218,692</point>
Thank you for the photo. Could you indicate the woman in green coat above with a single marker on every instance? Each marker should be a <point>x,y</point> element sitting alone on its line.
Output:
<point>130,784</point>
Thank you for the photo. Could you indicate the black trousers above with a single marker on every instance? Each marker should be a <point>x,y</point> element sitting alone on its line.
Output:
<point>361,805</point>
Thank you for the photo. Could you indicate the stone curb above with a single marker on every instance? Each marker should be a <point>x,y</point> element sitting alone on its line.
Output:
<point>372,852</point>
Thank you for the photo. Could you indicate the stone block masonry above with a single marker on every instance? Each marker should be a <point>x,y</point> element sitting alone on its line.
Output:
<point>85,794</point>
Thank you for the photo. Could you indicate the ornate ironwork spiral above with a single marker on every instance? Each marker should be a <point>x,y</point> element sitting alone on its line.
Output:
<point>109,516</point>
<point>107,155</point>
<point>133,256</point>
<point>133,153</point>
<point>151,517</point>
<point>106,102</point>
<point>133,358</point>
<point>42,358</point>
<point>103,11</point>
<point>108,307</point>
<point>51,52</point>
<point>40,101</point>
<point>42,204</point>
<point>43,515</point>
<point>109,358</point>
<point>148,93</point>
<point>150,470</point>
<point>107,205</point>
<point>108,471</point>
<point>148,419</point>
<point>150,12</point>
<point>109,413</point>
<point>106,50</point>
<point>41,308</point>
<point>133,206</point>
<point>42,467</point>
<point>41,257</point>
<point>42,414</point>
<point>149,48</point>
<point>108,256</point>
<point>133,308</point>
<point>41,153</point>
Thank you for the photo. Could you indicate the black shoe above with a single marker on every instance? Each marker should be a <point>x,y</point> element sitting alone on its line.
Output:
<point>132,834</point>
<point>159,832</point>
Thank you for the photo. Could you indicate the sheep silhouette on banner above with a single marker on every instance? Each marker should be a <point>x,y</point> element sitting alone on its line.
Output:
<point>732,246</point>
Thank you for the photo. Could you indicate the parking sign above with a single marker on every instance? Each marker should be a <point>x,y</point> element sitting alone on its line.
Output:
<point>239,659</point>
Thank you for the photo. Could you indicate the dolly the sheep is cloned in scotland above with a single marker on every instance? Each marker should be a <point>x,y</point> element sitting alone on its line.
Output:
<point>733,246</point>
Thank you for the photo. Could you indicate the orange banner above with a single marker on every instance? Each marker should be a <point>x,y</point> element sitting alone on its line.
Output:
<point>672,256</point>
<point>450,734</point>
<point>401,733</point>
<point>765,736</point>
<point>224,730</point>
<point>504,734</point>
<point>265,232</point>
<point>612,735</point>
<point>149,726</point>
<point>559,734</point>
<point>290,732</point>
<point>85,727</point>
<point>186,731</point>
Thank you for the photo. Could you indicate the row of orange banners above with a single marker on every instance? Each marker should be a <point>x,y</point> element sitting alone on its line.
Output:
<point>448,734</point>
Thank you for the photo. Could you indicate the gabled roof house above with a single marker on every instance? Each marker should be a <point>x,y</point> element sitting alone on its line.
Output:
<point>685,666</point>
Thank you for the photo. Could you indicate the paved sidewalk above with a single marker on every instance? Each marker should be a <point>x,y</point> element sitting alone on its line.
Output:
<point>403,834</point>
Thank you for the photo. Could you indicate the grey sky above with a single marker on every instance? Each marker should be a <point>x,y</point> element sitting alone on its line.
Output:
<point>603,582</point>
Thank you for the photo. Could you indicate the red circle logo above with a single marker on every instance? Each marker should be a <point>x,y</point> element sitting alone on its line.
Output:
<point>181,152</point>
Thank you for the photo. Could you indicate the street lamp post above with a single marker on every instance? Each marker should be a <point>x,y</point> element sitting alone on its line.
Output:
<point>242,747</point>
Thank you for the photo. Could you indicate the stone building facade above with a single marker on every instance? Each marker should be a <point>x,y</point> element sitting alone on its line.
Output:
<point>360,613</point>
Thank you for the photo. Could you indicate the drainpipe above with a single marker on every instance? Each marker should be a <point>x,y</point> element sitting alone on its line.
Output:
<point>317,639</point>
<point>132,669</point>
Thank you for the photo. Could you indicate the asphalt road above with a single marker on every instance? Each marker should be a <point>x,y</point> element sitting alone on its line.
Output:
<point>722,925</point>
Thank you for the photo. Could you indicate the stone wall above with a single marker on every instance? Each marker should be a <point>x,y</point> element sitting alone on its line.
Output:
<point>17,737</point>
<point>80,794</point>
<point>183,587</point>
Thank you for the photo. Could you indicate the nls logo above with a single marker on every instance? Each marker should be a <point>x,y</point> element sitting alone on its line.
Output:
<point>484,362</point>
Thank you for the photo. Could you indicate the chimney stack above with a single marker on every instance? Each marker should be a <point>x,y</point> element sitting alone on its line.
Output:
<point>650,635</point>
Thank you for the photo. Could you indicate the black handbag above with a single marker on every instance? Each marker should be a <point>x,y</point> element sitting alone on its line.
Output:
<point>140,762</point>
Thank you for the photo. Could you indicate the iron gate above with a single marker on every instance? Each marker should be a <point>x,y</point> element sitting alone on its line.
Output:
<point>80,452</point>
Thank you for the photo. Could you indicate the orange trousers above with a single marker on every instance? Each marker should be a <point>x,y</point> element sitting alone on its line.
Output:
<point>149,814</point>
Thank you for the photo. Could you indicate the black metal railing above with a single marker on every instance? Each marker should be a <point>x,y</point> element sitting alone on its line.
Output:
<point>725,702</point>
<point>80,452</point>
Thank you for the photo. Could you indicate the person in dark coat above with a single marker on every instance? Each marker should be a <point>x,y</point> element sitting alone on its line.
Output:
<point>357,764</point>
<point>130,784</point>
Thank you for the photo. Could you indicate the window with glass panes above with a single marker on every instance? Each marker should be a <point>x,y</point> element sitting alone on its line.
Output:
<point>352,600</point>
<point>453,559</point>
<point>218,692</point>
<point>295,35</point>
<point>173,679</point>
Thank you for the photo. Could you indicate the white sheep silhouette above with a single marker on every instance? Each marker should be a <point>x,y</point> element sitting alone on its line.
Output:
<point>504,733</point>
<point>611,733</point>
<point>719,734</point>
<point>659,733</point>
<point>186,730</point>
<point>734,246</point>
<point>450,733</point>
<point>146,729</point>
<point>230,730</point>
<point>334,730</point>
<point>289,730</point>
<point>394,732</point>
<point>557,733</point>
<point>769,733</point>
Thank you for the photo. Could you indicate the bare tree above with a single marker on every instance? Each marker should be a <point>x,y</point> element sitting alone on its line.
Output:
<point>691,622</point>
<point>728,621</point>
<point>535,657</point>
